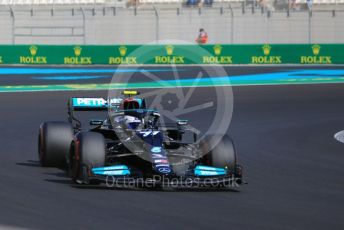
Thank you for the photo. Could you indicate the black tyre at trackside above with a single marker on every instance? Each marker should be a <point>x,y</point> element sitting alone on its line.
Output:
<point>88,152</point>
<point>54,141</point>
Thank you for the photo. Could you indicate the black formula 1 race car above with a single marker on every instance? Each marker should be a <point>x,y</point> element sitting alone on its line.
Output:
<point>130,146</point>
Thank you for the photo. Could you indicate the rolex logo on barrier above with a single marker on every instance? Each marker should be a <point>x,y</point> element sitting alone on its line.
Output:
<point>122,58</point>
<point>266,49</point>
<point>78,59</point>
<point>316,59</point>
<point>33,50</point>
<point>77,51</point>
<point>217,50</point>
<point>217,58</point>
<point>33,58</point>
<point>169,58</point>
<point>316,49</point>
<point>266,58</point>
<point>122,50</point>
<point>169,49</point>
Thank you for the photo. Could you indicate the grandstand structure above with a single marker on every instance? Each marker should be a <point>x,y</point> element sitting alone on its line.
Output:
<point>147,21</point>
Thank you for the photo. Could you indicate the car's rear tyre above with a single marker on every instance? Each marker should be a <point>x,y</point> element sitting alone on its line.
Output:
<point>219,152</point>
<point>54,141</point>
<point>88,152</point>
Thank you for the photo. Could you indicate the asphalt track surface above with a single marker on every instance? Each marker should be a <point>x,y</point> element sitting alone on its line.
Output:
<point>284,138</point>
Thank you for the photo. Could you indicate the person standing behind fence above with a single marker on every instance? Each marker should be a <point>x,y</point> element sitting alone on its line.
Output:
<point>310,4</point>
<point>202,37</point>
<point>292,4</point>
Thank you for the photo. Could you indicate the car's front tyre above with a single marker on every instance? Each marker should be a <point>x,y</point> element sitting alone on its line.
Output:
<point>219,151</point>
<point>88,152</point>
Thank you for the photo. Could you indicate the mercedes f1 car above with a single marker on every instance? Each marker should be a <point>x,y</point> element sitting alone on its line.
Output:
<point>130,144</point>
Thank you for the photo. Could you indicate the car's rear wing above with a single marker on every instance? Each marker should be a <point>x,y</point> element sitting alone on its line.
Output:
<point>89,104</point>
<point>92,104</point>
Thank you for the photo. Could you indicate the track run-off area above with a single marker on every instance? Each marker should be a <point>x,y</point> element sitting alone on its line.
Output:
<point>283,123</point>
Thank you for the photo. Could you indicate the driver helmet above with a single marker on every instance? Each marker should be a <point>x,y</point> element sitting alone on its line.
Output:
<point>132,122</point>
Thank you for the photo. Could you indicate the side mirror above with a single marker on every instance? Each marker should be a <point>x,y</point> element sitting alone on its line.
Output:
<point>182,122</point>
<point>96,122</point>
<point>156,114</point>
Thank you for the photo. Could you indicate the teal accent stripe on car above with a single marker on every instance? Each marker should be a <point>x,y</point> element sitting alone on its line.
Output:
<point>117,170</point>
<point>209,171</point>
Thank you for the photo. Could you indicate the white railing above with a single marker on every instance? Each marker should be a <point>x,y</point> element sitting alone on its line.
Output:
<point>81,2</point>
<point>51,2</point>
<point>321,1</point>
